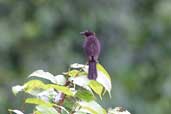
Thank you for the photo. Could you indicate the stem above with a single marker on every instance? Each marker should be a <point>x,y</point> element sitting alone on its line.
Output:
<point>62,97</point>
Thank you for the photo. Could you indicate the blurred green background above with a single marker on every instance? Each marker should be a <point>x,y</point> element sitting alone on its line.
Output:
<point>136,47</point>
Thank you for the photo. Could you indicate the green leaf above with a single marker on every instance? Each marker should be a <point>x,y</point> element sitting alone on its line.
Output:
<point>37,84</point>
<point>15,111</point>
<point>17,88</point>
<point>37,101</point>
<point>59,79</point>
<point>84,95</point>
<point>46,110</point>
<point>104,78</point>
<point>118,110</point>
<point>62,89</point>
<point>96,87</point>
<point>43,74</point>
<point>73,73</point>
<point>102,69</point>
<point>37,112</point>
<point>91,107</point>
<point>81,81</point>
<point>34,84</point>
<point>79,112</point>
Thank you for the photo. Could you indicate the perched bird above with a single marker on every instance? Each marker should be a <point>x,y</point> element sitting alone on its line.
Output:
<point>92,49</point>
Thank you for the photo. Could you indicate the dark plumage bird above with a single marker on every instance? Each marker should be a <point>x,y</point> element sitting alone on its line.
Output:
<point>92,50</point>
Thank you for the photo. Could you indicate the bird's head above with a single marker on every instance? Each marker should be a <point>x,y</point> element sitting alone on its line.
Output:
<point>87,33</point>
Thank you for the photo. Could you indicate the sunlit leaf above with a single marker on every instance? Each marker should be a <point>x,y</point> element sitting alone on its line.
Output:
<point>46,110</point>
<point>84,95</point>
<point>37,101</point>
<point>17,88</point>
<point>34,84</point>
<point>43,74</point>
<point>59,79</point>
<point>81,81</point>
<point>15,111</point>
<point>62,89</point>
<point>91,107</point>
<point>80,112</point>
<point>104,78</point>
<point>37,84</point>
<point>37,112</point>
<point>48,95</point>
<point>118,110</point>
<point>96,87</point>
<point>73,73</point>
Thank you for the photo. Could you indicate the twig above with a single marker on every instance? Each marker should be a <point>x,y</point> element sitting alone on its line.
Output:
<point>62,97</point>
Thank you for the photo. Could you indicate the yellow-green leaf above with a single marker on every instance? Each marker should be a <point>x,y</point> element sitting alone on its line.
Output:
<point>73,73</point>
<point>37,84</point>
<point>46,110</point>
<point>62,89</point>
<point>102,69</point>
<point>17,88</point>
<point>34,84</point>
<point>84,95</point>
<point>104,78</point>
<point>96,87</point>
<point>91,107</point>
<point>15,111</point>
<point>37,101</point>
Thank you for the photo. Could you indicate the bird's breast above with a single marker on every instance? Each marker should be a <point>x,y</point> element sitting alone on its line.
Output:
<point>92,47</point>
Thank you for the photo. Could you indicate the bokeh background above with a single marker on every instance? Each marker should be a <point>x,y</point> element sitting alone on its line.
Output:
<point>136,47</point>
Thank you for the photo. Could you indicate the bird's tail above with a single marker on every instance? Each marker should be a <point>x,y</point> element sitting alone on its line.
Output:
<point>92,71</point>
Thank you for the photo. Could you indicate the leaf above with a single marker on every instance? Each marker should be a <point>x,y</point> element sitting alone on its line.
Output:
<point>81,81</point>
<point>118,110</point>
<point>37,84</point>
<point>46,110</point>
<point>59,79</point>
<point>17,88</point>
<point>79,112</point>
<point>84,95</point>
<point>102,69</point>
<point>91,107</point>
<point>15,111</point>
<point>77,65</point>
<point>96,87</point>
<point>48,95</point>
<point>38,102</point>
<point>104,78</point>
<point>73,73</point>
<point>34,84</point>
<point>37,112</point>
<point>44,75</point>
<point>62,89</point>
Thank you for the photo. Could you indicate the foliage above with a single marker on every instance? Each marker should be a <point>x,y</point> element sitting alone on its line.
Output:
<point>51,98</point>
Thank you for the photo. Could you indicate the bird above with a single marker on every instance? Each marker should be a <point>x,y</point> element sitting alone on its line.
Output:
<point>92,49</point>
